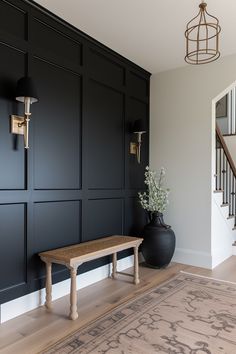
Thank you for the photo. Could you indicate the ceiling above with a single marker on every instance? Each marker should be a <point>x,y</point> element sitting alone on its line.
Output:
<point>148,32</point>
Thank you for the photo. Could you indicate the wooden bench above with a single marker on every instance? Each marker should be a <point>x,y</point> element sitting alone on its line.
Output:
<point>73,256</point>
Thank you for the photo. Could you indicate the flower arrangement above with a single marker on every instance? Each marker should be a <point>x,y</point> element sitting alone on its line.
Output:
<point>156,197</point>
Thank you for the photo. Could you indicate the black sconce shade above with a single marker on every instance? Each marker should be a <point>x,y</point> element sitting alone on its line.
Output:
<point>25,88</point>
<point>139,126</point>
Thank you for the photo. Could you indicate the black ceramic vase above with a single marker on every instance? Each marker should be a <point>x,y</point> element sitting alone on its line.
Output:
<point>159,242</point>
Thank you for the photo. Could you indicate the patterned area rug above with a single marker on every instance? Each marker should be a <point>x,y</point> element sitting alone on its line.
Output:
<point>186,315</point>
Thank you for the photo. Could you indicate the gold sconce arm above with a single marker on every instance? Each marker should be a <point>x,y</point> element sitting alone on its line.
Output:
<point>26,131</point>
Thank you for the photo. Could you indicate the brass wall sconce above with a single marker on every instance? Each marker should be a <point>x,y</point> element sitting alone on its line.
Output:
<point>25,93</point>
<point>139,128</point>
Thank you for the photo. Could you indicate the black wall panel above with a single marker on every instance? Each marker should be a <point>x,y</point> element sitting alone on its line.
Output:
<point>107,218</point>
<point>12,245</point>
<point>12,156</point>
<point>105,70</point>
<point>56,224</point>
<point>57,122</point>
<point>105,122</point>
<point>51,229</point>
<point>13,19</point>
<point>77,182</point>
<point>134,217</point>
<point>140,87</point>
<point>56,43</point>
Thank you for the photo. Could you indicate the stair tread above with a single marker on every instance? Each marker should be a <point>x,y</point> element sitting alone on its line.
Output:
<point>233,134</point>
<point>224,204</point>
<point>219,191</point>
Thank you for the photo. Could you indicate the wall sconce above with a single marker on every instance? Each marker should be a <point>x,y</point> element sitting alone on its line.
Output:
<point>139,128</point>
<point>25,93</point>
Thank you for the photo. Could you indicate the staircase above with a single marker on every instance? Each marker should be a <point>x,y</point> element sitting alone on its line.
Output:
<point>225,181</point>
<point>223,226</point>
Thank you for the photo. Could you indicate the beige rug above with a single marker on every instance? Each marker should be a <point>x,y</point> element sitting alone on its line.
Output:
<point>186,315</point>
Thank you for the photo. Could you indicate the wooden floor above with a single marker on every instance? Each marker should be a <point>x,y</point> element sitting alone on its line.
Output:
<point>36,330</point>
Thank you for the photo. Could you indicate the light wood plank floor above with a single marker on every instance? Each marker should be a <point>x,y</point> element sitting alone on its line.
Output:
<point>36,330</point>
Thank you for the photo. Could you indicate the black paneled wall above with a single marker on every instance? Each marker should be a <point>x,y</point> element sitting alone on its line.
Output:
<point>78,181</point>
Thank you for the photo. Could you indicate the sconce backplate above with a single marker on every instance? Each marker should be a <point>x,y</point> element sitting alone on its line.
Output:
<point>16,124</point>
<point>133,148</point>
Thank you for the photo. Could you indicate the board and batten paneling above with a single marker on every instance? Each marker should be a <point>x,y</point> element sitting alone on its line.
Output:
<point>77,182</point>
<point>12,160</point>
<point>105,123</point>
<point>57,122</point>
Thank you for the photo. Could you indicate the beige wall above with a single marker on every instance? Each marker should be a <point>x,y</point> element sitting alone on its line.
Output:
<point>182,141</point>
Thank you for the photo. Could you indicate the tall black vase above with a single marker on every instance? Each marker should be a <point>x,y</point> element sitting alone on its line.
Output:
<point>159,242</point>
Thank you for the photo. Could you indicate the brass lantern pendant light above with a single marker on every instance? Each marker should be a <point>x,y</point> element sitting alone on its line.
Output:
<point>202,38</point>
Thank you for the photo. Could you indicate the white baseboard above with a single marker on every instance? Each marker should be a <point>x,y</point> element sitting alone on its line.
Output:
<point>31,301</point>
<point>194,258</point>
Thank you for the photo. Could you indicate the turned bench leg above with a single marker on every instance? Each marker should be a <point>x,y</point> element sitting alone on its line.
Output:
<point>48,302</point>
<point>114,265</point>
<point>136,270</point>
<point>73,295</point>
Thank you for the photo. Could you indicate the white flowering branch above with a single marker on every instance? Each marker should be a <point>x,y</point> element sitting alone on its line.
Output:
<point>156,197</point>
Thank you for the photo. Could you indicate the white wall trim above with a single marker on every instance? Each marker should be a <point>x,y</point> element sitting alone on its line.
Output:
<point>222,233</point>
<point>221,254</point>
<point>233,251</point>
<point>31,301</point>
<point>194,258</point>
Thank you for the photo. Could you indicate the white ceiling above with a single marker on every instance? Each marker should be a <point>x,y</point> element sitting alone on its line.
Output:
<point>148,32</point>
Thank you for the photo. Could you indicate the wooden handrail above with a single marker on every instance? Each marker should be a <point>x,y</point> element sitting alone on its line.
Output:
<point>226,150</point>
